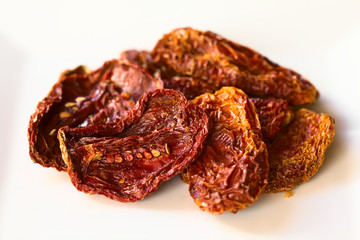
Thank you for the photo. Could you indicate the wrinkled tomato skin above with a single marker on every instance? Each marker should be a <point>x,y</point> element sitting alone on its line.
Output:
<point>298,152</point>
<point>273,115</point>
<point>208,56</point>
<point>232,170</point>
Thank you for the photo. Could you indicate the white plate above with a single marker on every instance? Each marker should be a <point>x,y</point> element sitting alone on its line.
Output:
<point>39,39</point>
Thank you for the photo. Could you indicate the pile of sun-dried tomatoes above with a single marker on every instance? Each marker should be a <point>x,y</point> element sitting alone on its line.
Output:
<point>219,114</point>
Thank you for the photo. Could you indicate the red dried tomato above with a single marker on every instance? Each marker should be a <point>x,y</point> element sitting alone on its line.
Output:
<point>298,151</point>
<point>128,160</point>
<point>80,98</point>
<point>232,170</point>
<point>208,56</point>
<point>91,126</point>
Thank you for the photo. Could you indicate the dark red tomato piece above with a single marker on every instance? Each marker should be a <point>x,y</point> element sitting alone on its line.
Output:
<point>81,97</point>
<point>208,56</point>
<point>232,170</point>
<point>128,160</point>
<point>297,153</point>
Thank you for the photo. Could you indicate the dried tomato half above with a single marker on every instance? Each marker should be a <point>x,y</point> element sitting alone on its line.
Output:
<point>128,160</point>
<point>208,56</point>
<point>80,98</point>
<point>232,170</point>
<point>273,115</point>
<point>298,151</point>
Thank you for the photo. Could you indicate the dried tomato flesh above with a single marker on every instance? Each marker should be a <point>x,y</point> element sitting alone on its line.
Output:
<point>80,98</point>
<point>208,56</point>
<point>298,151</point>
<point>44,147</point>
<point>191,87</point>
<point>273,115</point>
<point>142,58</point>
<point>232,170</point>
<point>129,159</point>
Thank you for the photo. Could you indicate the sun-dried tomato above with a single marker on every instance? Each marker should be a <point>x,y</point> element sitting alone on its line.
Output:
<point>129,159</point>
<point>80,98</point>
<point>232,170</point>
<point>93,125</point>
<point>208,56</point>
<point>50,113</point>
<point>298,151</point>
<point>191,87</point>
<point>273,115</point>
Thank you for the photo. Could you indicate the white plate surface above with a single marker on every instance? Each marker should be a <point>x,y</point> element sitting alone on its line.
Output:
<point>40,39</point>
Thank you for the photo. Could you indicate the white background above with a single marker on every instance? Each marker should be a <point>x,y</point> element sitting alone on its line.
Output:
<point>40,39</point>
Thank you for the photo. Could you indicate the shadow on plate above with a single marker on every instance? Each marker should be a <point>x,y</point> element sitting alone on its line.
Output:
<point>269,214</point>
